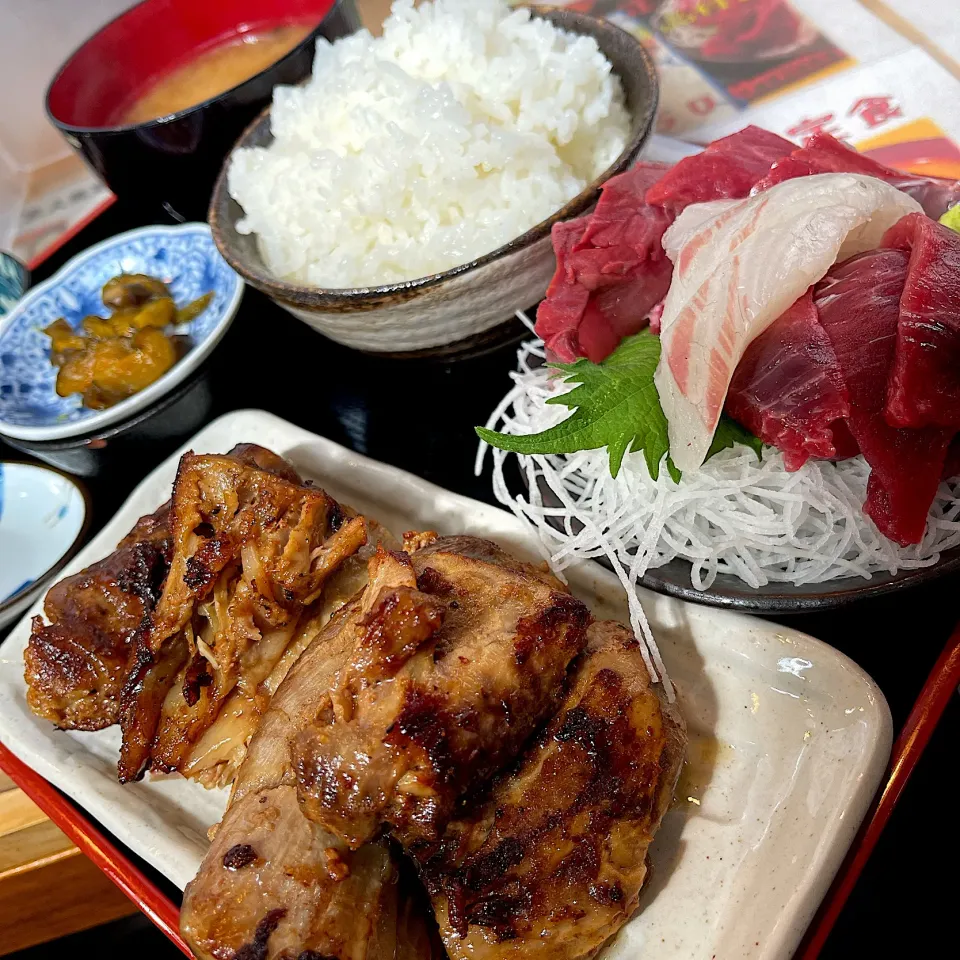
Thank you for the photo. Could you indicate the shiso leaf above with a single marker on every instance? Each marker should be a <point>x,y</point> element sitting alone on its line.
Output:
<point>729,433</point>
<point>616,406</point>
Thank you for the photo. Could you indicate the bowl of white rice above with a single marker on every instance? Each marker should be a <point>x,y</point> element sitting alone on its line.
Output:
<point>400,201</point>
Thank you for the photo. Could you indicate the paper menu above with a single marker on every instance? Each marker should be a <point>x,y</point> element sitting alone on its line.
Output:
<point>688,99</point>
<point>904,111</point>
<point>932,24</point>
<point>717,58</point>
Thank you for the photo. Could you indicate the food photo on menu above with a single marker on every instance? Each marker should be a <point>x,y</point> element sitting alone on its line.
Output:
<point>478,480</point>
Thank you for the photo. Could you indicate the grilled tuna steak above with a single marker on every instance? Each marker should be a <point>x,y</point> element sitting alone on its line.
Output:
<point>76,665</point>
<point>251,551</point>
<point>275,884</point>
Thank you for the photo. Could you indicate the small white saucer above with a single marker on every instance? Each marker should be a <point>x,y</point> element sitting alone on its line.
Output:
<point>43,516</point>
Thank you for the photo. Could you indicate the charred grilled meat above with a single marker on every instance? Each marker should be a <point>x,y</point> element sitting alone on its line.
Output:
<point>550,862</point>
<point>215,757</point>
<point>547,858</point>
<point>461,656</point>
<point>275,884</point>
<point>260,562</point>
<point>76,665</point>
<point>251,552</point>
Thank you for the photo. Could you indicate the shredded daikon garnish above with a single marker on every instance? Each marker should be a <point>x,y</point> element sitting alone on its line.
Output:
<point>735,515</point>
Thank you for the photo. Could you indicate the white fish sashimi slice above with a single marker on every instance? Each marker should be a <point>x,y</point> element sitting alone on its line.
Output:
<point>737,265</point>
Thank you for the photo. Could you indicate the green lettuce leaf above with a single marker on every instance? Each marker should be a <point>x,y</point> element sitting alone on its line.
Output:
<point>951,218</point>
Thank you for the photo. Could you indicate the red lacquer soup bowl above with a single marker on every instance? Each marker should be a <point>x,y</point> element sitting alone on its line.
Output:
<point>173,161</point>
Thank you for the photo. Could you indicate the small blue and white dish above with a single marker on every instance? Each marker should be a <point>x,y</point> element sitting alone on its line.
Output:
<point>184,257</point>
<point>43,517</point>
<point>14,280</point>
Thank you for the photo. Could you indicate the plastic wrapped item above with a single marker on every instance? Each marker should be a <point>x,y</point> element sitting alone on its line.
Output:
<point>37,36</point>
<point>13,188</point>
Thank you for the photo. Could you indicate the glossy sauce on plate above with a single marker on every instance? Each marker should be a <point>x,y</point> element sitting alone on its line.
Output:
<point>214,70</point>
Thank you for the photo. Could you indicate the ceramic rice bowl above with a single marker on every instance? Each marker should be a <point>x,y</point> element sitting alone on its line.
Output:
<point>471,306</point>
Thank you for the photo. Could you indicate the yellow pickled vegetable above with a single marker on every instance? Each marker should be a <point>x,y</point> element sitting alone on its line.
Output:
<point>112,358</point>
<point>99,328</point>
<point>76,374</point>
<point>193,310</point>
<point>158,313</point>
<point>132,290</point>
<point>122,368</point>
<point>63,337</point>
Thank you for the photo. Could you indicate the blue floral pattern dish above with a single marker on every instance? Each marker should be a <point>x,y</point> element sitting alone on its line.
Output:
<point>13,281</point>
<point>184,256</point>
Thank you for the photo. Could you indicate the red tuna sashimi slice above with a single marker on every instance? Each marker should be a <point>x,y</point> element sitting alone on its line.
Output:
<point>611,269</point>
<point>725,170</point>
<point>559,316</point>
<point>924,384</point>
<point>596,338</point>
<point>621,218</point>
<point>859,307</point>
<point>825,154</point>
<point>788,389</point>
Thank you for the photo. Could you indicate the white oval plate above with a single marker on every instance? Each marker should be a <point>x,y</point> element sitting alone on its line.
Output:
<point>42,517</point>
<point>788,737</point>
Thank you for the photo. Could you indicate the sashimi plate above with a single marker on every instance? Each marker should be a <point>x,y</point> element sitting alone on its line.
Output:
<point>788,738</point>
<point>673,578</point>
<point>775,597</point>
<point>785,532</point>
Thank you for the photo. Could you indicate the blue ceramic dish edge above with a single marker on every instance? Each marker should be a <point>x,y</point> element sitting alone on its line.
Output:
<point>32,587</point>
<point>99,419</point>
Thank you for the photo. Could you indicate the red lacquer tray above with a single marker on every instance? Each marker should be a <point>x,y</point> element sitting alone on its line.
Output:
<point>111,859</point>
<point>934,697</point>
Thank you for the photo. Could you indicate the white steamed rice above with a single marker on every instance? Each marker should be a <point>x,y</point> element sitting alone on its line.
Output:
<point>460,128</point>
